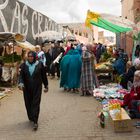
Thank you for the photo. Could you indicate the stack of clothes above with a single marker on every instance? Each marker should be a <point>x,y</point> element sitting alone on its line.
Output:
<point>110,91</point>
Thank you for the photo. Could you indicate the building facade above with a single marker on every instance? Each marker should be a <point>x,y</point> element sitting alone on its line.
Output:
<point>131,11</point>
<point>82,33</point>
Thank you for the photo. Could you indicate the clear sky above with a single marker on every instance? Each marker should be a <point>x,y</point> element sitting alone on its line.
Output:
<point>73,10</point>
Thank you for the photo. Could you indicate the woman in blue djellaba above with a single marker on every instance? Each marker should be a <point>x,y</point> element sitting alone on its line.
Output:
<point>71,70</point>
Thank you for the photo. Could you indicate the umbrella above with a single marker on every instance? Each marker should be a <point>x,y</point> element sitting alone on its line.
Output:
<point>50,35</point>
<point>26,45</point>
<point>49,41</point>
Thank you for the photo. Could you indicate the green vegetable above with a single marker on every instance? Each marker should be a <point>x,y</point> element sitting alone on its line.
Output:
<point>10,58</point>
<point>105,56</point>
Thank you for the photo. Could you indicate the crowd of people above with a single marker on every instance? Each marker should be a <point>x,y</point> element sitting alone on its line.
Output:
<point>75,67</point>
<point>73,64</point>
<point>78,72</point>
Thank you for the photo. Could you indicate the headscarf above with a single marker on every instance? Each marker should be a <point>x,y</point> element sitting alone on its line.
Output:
<point>89,47</point>
<point>88,53</point>
<point>34,56</point>
<point>38,47</point>
<point>136,62</point>
<point>121,55</point>
<point>84,48</point>
<point>136,83</point>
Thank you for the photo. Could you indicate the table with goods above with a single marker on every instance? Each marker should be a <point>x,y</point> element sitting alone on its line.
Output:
<point>105,68</point>
<point>111,98</point>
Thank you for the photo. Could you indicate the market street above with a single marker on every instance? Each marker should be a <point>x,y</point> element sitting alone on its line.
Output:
<point>63,116</point>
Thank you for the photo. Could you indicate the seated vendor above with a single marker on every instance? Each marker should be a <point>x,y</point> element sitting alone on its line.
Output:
<point>135,109</point>
<point>119,64</point>
<point>134,93</point>
<point>129,76</point>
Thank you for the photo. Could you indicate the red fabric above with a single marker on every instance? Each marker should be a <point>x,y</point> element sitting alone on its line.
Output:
<point>37,57</point>
<point>68,48</point>
<point>128,98</point>
<point>94,51</point>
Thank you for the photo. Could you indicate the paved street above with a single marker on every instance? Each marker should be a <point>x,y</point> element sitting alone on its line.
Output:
<point>63,117</point>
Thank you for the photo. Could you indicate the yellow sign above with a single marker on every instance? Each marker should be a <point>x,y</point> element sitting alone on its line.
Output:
<point>91,16</point>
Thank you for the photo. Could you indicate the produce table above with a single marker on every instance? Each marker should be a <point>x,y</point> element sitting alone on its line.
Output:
<point>105,71</point>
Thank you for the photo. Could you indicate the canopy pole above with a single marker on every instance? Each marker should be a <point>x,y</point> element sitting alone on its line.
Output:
<point>118,40</point>
<point>125,42</point>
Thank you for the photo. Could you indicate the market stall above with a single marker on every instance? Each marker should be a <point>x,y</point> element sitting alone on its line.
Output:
<point>111,98</point>
<point>113,24</point>
<point>10,44</point>
<point>105,68</point>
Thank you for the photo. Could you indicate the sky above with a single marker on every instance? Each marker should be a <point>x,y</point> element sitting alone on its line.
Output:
<point>68,11</point>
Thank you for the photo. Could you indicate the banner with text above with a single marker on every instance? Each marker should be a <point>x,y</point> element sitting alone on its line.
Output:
<point>19,18</point>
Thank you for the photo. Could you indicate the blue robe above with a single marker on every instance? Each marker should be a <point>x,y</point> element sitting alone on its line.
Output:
<point>119,66</point>
<point>71,70</point>
<point>79,49</point>
<point>64,69</point>
<point>74,70</point>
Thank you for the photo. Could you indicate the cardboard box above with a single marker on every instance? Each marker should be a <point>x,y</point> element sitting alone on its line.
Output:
<point>124,124</point>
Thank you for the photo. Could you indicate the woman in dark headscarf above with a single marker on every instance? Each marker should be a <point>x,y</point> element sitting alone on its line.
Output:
<point>119,64</point>
<point>32,75</point>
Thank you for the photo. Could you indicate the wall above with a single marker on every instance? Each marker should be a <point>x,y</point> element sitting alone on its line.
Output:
<point>127,9</point>
<point>130,9</point>
<point>18,17</point>
<point>96,35</point>
<point>127,43</point>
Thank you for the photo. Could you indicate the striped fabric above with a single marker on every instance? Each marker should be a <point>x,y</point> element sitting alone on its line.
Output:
<point>87,76</point>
